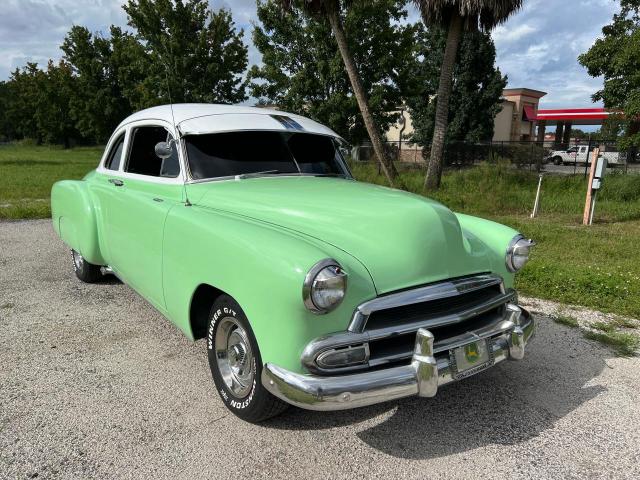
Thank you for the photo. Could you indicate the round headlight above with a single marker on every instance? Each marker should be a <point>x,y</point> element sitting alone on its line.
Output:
<point>324,286</point>
<point>518,253</point>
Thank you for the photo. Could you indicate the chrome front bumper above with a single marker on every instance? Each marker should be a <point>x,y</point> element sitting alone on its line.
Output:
<point>421,377</point>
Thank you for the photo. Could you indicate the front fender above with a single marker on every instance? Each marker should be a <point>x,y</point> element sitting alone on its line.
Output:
<point>495,237</point>
<point>262,267</point>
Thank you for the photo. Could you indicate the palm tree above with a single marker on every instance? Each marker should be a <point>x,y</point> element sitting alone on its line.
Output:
<point>457,16</point>
<point>330,10</point>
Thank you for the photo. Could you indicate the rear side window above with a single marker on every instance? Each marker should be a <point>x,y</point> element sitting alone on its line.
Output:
<point>115,154</point>
<point>142,156</point>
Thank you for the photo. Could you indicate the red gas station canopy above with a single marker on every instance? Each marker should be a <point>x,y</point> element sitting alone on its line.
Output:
<point>577,116</point>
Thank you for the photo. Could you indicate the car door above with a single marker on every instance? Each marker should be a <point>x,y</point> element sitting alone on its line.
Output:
<point>103,188</point>
<point>148,188</point>
<point>582,154</point>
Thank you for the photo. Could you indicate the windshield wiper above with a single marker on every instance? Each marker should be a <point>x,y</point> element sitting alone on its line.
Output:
<point>255,174</point>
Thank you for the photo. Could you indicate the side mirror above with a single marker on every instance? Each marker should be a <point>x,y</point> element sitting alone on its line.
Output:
<point>164,150</point>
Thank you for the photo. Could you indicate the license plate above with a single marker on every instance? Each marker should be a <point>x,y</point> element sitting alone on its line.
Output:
<point>470,358</point>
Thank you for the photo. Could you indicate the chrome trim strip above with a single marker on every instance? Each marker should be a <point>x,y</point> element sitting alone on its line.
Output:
<point>422,377</point>
<point>331,342</point>
<point>450,288</point>
<point>320,358</point>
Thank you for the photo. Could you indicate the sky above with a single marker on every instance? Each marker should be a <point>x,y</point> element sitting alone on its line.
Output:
<point>536,48</point>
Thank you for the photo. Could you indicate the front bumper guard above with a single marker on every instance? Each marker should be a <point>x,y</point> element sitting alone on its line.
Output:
<point>421,377</point>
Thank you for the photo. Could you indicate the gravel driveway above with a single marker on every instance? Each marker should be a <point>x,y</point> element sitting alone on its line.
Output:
<point>94,383</point>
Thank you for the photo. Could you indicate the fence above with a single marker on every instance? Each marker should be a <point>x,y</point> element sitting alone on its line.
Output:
<point>573,157</point>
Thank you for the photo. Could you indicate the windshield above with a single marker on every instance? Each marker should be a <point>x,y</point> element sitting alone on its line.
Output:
<point>262,152</point>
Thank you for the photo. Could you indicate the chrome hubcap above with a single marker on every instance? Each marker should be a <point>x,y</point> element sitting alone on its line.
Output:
<point>77,259</point>
<point>235,358</point>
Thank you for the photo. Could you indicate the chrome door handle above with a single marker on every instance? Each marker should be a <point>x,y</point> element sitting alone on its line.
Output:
<point>116,181</point>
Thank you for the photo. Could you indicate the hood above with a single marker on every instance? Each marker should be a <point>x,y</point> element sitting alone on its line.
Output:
<point>402,239</point>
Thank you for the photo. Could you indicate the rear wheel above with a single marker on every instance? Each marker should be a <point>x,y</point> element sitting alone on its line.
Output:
<point>85,271</point>
<point>236,365</point>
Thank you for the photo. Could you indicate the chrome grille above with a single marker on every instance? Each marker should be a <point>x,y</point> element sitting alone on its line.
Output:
<point>398,348</point>
<point>432,309</point>
<point>452,310</point>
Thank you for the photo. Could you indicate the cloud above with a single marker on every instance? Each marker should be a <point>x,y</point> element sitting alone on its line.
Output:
<point>503,35</point>
<point>32,30</point>
<point>537,48</point>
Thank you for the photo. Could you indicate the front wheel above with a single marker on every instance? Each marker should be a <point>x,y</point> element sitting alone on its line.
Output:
<point>557,160</point>
<point>236,365</point>
<point>85,271</point>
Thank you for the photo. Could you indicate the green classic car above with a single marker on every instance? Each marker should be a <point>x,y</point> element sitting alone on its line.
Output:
<point>243,226</point>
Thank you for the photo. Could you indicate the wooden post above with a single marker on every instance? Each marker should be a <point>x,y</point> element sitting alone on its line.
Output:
<point>588,204</point>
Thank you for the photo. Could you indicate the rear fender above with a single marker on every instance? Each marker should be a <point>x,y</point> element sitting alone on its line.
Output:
<point>74,218</point>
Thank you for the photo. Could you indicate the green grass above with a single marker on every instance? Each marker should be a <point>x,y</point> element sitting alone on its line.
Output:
<point>624,344</point>
<point>566,320</point>
<point>27,173</point>
<point>625,323</point>
<point>604,327</point>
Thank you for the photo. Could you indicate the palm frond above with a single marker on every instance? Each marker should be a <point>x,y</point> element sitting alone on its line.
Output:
<point>486,13</point>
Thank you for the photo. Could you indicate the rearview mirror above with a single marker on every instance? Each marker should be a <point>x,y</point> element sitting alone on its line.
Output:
<point>164,150</point>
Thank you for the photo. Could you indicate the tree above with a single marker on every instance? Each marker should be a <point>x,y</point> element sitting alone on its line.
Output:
<point>180,47</point>
<point>616,57</point>
<point>302,70</point>
<point>22,89</point>
<point>196,52</point>
<point>612,128</point>
<point>38,103</point>
<point>578,134</point>
<point>332,12</point>
<point>7,132</point>
<point>477,88</point>
<point>457,16</point>
<point>107,72</point>
<point>53,114</point>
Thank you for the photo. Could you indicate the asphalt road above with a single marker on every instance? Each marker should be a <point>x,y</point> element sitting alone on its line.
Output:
<point>96,384</point>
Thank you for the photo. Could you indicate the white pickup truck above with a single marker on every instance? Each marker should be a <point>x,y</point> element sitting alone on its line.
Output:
<point>582,154</point>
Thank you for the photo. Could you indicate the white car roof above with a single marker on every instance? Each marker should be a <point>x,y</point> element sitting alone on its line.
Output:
<point>201,118</point>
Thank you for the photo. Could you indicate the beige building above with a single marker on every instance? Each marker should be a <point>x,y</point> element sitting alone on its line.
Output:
<point>510,124</point>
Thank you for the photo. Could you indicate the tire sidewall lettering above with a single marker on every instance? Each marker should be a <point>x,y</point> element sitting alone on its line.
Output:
<point>222,312</point>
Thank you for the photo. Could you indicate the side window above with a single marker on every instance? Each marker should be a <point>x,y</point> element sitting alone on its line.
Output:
<point>142,156</point>
<point>115,154</point>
